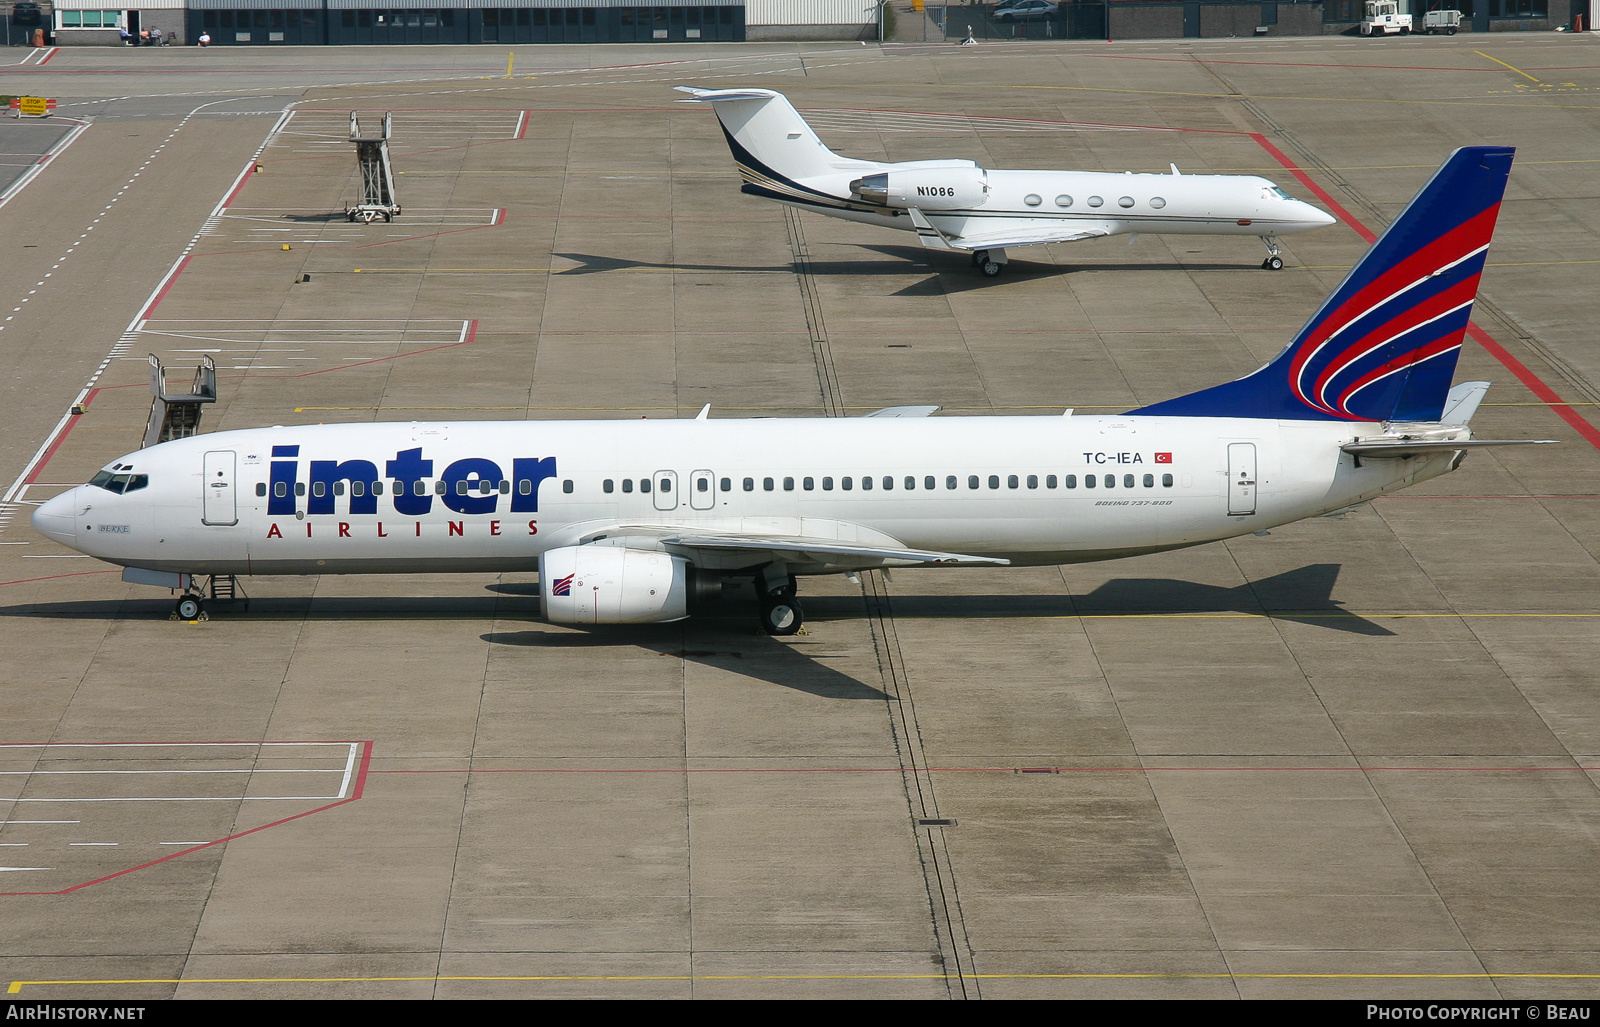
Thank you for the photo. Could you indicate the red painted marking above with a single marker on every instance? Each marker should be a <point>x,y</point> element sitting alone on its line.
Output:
<point>356,793</point>
<point>472,333</point>
<point>166,287</point>
<point>228,201</point>
<point>72,422</point>
<point>46,60</point>
<point>1535,384</point>
<point>1321,193</point>
<point>52,577</point>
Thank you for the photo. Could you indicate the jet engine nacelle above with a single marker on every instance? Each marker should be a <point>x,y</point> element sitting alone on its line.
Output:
<point>611,585</point>
<point>947,188</point>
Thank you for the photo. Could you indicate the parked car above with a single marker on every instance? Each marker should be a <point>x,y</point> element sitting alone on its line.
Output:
<point>25,13</point>
<point>1025,9</point>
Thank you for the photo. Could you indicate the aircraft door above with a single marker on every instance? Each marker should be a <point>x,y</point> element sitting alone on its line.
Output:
<point>1241,478</point>
<point>219,503</point>
<point>666,490</point>
<point>702,490</point>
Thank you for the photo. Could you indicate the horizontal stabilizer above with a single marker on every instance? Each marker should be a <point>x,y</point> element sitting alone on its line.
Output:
<point>1404,448</point>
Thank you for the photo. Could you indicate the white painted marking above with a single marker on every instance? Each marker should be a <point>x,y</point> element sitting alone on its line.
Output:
<point>38,821</point>
<point>94,845</point>
<point>4,869</point>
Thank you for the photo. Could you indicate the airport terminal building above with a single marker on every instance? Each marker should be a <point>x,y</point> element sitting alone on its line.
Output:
<point>356,22</point>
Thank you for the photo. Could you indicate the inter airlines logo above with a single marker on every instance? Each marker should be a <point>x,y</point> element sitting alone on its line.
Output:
<point>562,586</point>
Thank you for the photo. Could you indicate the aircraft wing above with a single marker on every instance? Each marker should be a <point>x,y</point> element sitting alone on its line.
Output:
<point>794,549</point>
<point>932,238</point>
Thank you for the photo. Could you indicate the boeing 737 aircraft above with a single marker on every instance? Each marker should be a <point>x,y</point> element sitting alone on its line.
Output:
<point>630,521</point>
<point>956,205</point>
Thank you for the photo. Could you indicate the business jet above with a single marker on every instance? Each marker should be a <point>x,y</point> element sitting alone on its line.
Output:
<point>635,521</point>
<point>957,205</point>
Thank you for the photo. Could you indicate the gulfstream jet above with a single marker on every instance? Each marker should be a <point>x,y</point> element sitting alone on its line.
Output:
<point>957,205</point>
<point>633,521</point>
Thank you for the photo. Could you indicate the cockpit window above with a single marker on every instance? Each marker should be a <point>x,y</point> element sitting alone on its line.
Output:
<point>120,483</point>
<point>1273,191</point>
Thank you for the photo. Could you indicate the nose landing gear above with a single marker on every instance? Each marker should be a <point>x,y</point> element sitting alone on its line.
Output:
<point>1273,261</point>
<point>189,607</point>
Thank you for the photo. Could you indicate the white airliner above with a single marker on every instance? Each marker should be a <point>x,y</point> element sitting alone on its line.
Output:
<point>630,521</point>
<point>957,205</point>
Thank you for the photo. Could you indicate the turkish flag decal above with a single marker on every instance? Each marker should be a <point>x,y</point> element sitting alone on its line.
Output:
<point>1163,458</point>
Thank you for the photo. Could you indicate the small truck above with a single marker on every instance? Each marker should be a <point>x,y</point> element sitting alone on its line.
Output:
<point>1383,18</point>
<point>1441,21</point>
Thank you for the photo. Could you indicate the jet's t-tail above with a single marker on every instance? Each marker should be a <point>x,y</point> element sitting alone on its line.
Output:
<point>1383,346</point>
<point>771,143</point>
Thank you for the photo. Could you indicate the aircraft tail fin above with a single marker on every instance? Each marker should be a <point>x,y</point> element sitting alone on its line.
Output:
<point>771,143</point>
<point>1383,346</point>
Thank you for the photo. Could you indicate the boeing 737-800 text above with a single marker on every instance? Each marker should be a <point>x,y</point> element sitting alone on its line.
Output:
<point>628,521</point>
<point>957,205</point>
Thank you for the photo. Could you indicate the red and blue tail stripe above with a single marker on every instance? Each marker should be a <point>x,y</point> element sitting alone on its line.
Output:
<point>1383,346</point>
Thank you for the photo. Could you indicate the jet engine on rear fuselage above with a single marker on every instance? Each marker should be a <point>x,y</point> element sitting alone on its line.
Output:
<point>604,584</point>
<point>936,185</point>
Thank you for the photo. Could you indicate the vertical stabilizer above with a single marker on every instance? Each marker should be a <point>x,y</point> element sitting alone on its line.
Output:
<point>772,144</point>
<point>1383,346</point>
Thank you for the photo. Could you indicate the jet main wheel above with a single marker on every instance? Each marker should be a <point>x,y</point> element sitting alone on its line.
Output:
<point>990,268</point>
<point>1273,264</point>
<point>189,607</point>
<point>781,614</point>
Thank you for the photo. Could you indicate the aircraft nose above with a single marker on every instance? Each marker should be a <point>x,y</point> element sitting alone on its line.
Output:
<point>1316,216</point>
<point>57,519</point>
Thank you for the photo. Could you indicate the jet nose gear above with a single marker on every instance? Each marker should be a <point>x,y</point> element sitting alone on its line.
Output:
<point>1273,261</point>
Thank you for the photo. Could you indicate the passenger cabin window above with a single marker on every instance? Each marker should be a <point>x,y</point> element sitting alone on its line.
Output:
<point>700,485</point>
<point>438,488</point>
<point>1127,481</point>
<point>299,488</point>
<point>767,484</point>
<point>644,484</point>
<point>607,486</point>
<point>888,482</point>
<point>994,481</point>
<point>1070,481</point>
<point>627,484</point>
<point>1149,481</point>
<point>566,486</point>
<point>927,482</point>
<point>261,488</point>
<point>1166,481</point>
<point>1011,481</point>
<point>972,481</point>
<point>866,482</point>
<point>809,484</point>
<point>727,484</point>
<point>788,484</point>
<point>847,483</point>
<point>949,481</point>
<point>665,485</point>
<point>1089,481</point>
<point>749,484</point>
<point>1049,481</point>
<point>827,484</point>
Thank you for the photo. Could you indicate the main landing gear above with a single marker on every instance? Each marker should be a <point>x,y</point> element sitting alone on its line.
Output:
<point>1273,261</point>
<point>780,609</point>
<point>990,262</point>
<point>189,607</point>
